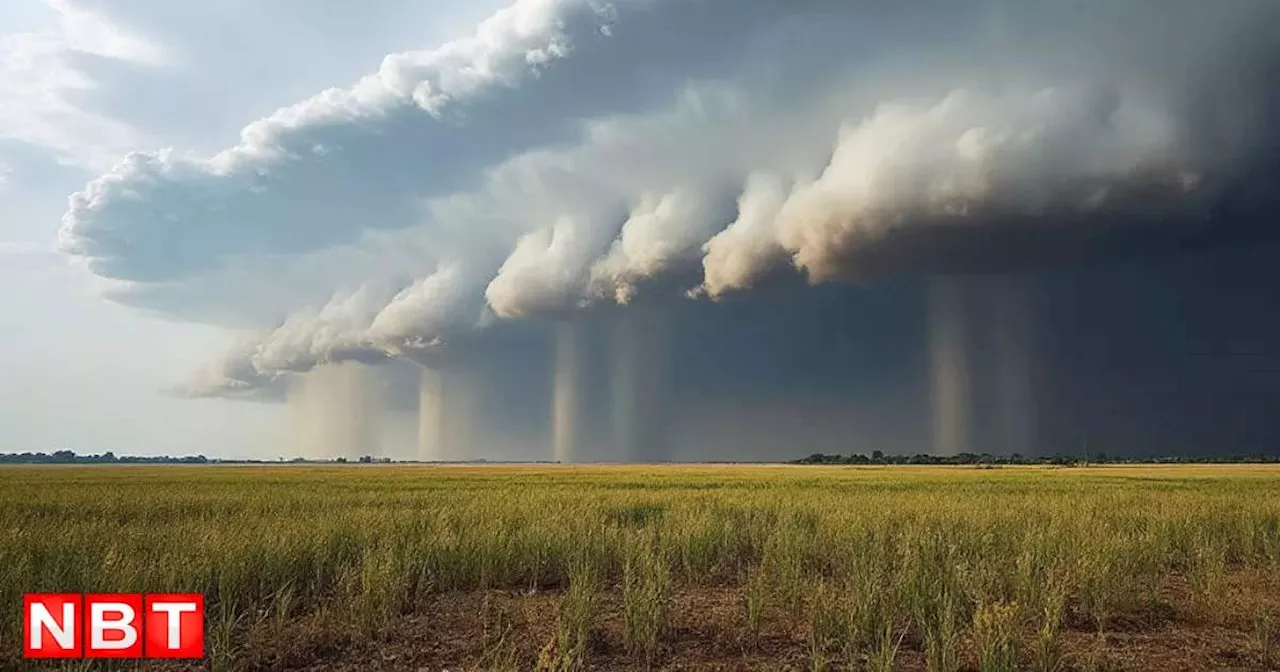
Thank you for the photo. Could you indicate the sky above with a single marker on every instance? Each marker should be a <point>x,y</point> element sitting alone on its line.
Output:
<point>638,229</point>
<point>85,83</point>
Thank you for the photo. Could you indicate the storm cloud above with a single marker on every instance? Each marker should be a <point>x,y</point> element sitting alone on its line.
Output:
<point>575,160</point>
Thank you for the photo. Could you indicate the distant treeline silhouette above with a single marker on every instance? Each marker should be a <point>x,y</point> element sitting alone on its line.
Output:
<point>877,457</point>
<point>70,457</point>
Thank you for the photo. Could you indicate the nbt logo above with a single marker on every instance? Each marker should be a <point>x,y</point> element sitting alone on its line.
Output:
<point>116,625</point>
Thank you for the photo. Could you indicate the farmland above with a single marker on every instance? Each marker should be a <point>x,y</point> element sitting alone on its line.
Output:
<point>670,567</point>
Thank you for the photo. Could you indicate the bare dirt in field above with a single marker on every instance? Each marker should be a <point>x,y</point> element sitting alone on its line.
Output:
<point>707,630</point>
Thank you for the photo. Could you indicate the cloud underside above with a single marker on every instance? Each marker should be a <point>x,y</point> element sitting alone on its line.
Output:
<point>573,153</point>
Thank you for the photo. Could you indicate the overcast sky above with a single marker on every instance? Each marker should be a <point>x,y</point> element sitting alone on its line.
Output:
<point>760,227</point>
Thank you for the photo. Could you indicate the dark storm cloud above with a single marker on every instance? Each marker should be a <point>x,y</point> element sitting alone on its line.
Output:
<point>1168,355</point>
<point>575,155</point>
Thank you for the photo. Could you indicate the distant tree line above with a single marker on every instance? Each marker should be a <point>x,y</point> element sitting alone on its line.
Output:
<point>70,457</point>
<point>878,457</point>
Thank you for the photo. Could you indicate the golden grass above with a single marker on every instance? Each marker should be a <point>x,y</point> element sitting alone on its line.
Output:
<point>980,565</point>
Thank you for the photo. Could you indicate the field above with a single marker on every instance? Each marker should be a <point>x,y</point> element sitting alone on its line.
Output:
<point>671,567</point>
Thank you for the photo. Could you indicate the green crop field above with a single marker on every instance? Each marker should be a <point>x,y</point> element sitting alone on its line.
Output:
<point>680,567</point>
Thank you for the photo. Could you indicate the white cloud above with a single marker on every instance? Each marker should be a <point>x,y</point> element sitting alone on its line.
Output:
<point>972,154</point>
<point>88,32</point>
<point>384,145</point>
<point>664,231</point>
<point>40,81</point>
<point>737,256</point>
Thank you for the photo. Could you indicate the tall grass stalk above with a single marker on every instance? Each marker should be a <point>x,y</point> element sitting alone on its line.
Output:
<point>646,587</point>
<point>995,636</point>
